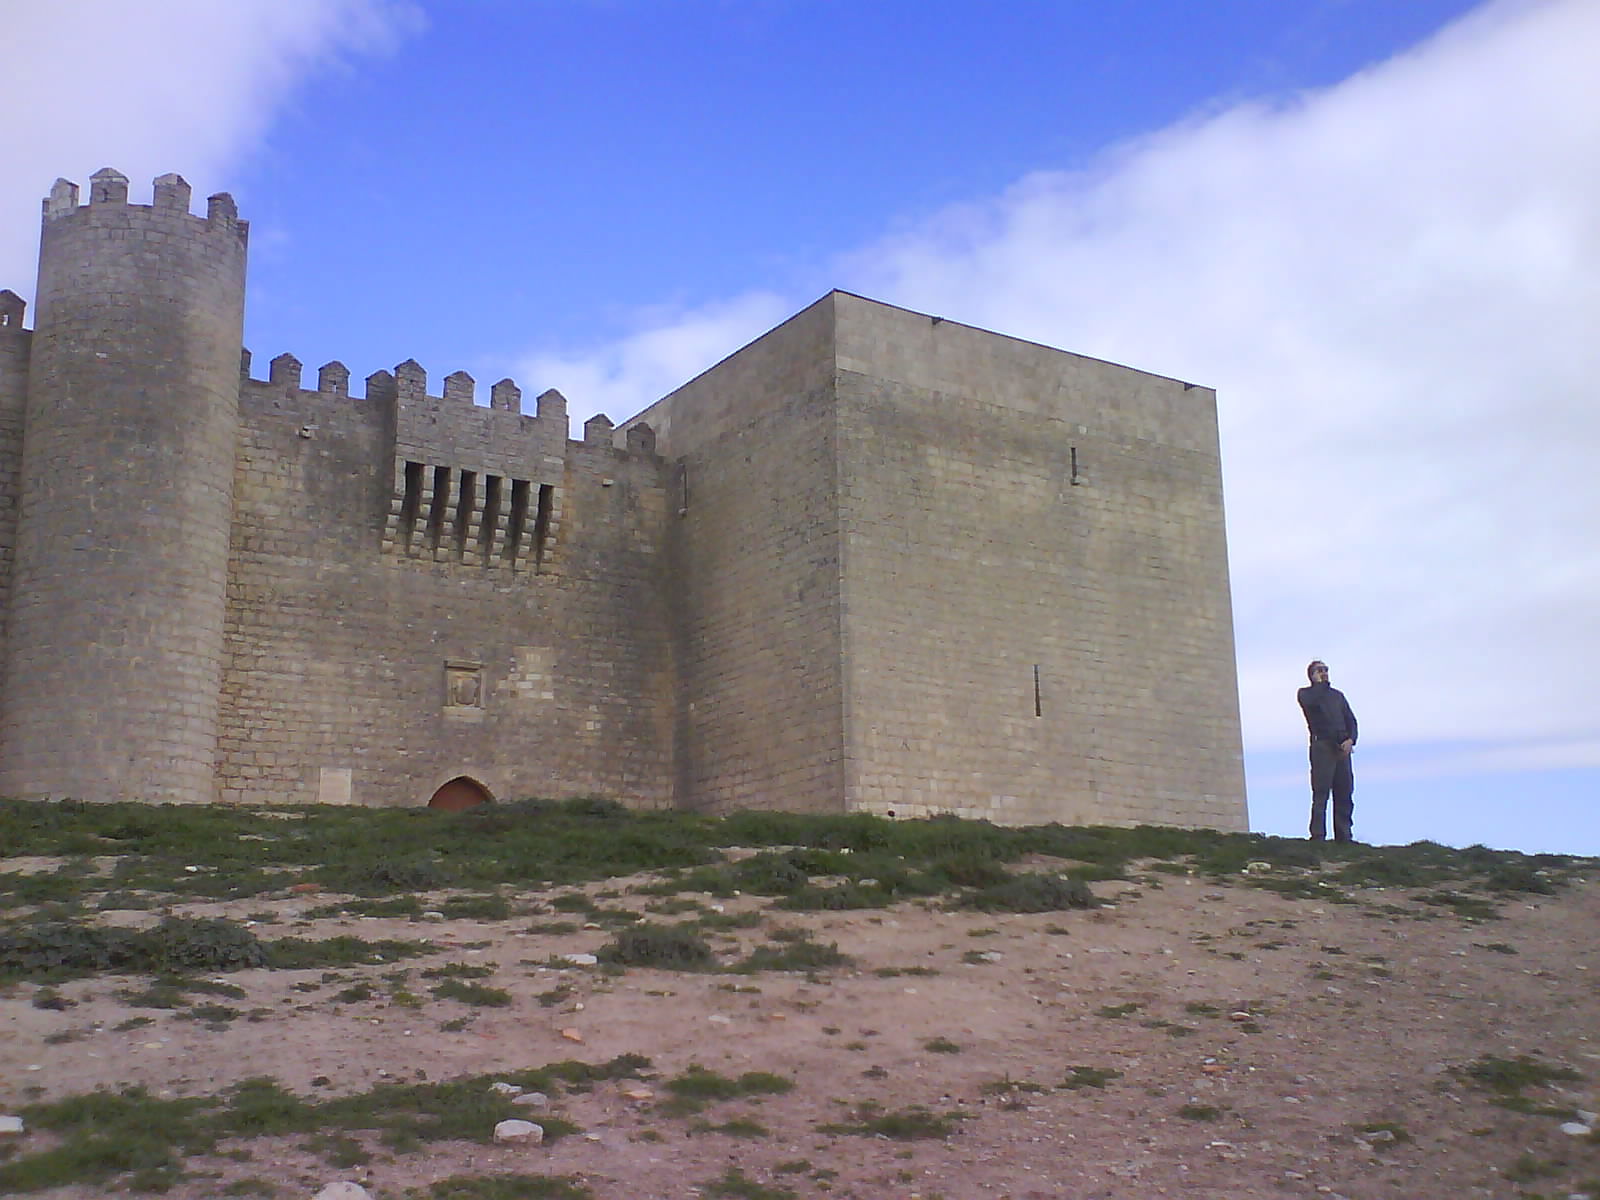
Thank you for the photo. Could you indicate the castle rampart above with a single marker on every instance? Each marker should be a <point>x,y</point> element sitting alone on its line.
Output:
<point>874,561</point>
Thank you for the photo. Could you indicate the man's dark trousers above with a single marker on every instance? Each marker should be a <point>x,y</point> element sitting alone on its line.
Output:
<point>1330,772</point>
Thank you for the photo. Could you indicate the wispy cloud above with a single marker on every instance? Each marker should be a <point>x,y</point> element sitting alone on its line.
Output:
<point>668,349</point>
<point>1394,284</point>
<point>164,85</point>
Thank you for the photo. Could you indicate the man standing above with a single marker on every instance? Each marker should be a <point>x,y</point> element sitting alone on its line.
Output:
<point>1333,736</point>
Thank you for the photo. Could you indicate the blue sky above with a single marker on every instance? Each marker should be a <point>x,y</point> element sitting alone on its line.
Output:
<point>1374,227</point>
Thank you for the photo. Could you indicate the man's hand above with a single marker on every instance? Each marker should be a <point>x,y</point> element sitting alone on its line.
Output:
<point>1346,746</point>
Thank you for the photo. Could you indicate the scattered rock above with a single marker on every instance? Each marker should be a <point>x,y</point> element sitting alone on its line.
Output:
<point>572,1035</point>
<point>1576,1128</point>
<point>532,1100</point>
<point>433,914</point>
<point>343,1190</point>
<point>719,1019</point>
<point>638,1093</point>
<point>518,1133</point>
<point>504,1088</point>
<point>1241,1016</point>
<point>11,1126</point>
<point>579,960</point>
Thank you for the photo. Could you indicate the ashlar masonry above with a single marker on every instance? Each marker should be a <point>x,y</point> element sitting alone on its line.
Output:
<point>874,561</point>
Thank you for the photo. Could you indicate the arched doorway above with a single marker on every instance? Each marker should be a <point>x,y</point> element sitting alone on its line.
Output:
<point>460,793</point>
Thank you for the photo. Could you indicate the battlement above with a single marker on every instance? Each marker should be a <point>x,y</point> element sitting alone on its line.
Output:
<point>432,417</point>
<point>171,193</point>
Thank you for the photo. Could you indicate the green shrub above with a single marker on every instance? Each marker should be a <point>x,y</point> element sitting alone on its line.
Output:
<point>906,1124</point>
<point>1033,893</point>
<point>670,947</point>
<point>205,944</point>
<point>801,955</point>
<point>475,994</point>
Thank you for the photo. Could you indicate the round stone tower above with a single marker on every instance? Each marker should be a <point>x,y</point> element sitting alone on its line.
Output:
<point>113,676</point>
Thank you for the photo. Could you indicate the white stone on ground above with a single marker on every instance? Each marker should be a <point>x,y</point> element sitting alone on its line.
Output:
<point>343,1190</point>
<point>10,1126</point>
<point>518,1133</point>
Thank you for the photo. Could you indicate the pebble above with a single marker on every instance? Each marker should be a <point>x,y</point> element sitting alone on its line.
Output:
<point>504,1088</point>
<point>1576,1128</point>
<point>579,960</point>
<point>719,1019</point>
<point>343,1190</point>
<point>572,1035</point>
<point>518,1133</point>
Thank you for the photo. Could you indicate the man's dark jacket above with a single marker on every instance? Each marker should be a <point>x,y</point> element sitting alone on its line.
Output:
<point>1328,715</point>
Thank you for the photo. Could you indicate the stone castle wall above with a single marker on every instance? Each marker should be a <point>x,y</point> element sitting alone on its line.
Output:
<point>372,668</point>
<point>872,561</point>
<point>1037,616</point>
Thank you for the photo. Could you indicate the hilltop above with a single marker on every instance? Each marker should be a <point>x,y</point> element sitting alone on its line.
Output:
<point>208,1002</point>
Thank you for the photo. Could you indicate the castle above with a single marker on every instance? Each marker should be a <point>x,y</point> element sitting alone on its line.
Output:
<point>874,561</point>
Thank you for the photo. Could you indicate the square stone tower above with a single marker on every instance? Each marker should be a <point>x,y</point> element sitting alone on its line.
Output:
<point>919,568</point>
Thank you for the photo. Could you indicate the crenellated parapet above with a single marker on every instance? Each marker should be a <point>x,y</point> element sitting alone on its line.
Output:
<point>171,194</point>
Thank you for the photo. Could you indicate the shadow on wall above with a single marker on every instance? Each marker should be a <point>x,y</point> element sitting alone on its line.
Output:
<point>460,793</point>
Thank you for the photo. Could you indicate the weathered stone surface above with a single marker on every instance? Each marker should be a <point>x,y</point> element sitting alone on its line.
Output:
<point>874,561</point>
<point>520,1133</point>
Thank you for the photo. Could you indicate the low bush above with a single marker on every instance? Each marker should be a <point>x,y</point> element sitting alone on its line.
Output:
<point>670,947</point>
<point>1033,893</point>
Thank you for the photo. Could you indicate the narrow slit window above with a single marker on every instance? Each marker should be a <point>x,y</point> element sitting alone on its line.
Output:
<point>466,499</point>
<point>441,502</point>
<point>518,519</point>
<point>410,502</point>
<point>491,516</point>
<point>541,522</point>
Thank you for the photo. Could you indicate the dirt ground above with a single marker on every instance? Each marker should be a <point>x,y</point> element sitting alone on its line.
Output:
<point>1247,1043</point>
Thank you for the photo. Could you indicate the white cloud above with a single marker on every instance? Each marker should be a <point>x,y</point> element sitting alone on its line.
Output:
<point>157,86</point>
<point>669,348</point>
<point>1394,284</point>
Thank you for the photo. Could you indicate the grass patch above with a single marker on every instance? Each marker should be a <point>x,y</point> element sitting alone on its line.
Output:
<point>476,994</point>
<point>669,947</point>
<point>940,1045</point>
<point>1199,1112</point>
<point>697,1087</point>
<point>1094,1077</point>
<point>509,1187</point>
<point>167,854</point>
<point>735,1183</point>
<point>744,1127</point>
<point>902,1125</point>
<point>109,1135</point>
<point>799,954</point>
<point>1032,893</point>
<point>1117,1011</point>
<point>1507,1078</point>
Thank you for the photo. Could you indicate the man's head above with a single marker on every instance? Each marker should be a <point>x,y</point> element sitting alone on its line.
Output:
<point>1317,671</point>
